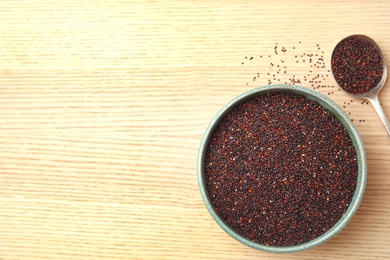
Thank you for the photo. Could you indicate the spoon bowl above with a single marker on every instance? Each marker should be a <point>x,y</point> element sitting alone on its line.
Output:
<point>353,66</point>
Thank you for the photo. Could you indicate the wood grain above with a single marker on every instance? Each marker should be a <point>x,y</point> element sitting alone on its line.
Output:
<point>103,105</point>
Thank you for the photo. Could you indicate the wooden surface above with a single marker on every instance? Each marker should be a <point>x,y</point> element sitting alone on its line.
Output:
<point>103,105</point>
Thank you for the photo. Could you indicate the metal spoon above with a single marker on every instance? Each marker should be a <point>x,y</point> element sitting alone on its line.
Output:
<point>372,94</point>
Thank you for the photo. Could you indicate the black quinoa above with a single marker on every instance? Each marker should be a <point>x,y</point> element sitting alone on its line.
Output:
<point>357,64</point>
<point>280,169</point>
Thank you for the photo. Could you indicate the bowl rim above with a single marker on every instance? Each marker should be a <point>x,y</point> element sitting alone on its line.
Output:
<point>331,107</point>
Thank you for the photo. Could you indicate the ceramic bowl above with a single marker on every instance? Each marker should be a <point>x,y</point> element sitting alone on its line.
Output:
<point>339,114</point>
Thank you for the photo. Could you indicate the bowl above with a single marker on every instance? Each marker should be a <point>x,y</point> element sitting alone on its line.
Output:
<point>340,115</point>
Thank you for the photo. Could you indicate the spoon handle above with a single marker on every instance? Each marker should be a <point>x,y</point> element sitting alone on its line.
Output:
<point>377,105</point>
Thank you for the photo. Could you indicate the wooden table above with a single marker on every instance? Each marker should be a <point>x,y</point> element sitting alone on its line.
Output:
<point>103,105</point>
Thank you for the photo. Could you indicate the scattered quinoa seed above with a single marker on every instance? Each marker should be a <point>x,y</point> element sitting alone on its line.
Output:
<point>310,68</point>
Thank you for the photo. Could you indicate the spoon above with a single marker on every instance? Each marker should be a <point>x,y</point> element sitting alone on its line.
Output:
<point>359,68</point>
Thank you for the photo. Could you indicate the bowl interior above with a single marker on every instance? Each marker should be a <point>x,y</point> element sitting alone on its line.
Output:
<point>328,105</point>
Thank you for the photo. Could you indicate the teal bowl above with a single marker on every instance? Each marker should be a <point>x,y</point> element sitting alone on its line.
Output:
<point>339,114</point>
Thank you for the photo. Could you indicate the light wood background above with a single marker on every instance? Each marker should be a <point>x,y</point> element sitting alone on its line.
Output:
<point>103,105</point>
